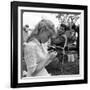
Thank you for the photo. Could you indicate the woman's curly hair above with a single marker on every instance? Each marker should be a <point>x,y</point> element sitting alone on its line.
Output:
<point>42,26</point>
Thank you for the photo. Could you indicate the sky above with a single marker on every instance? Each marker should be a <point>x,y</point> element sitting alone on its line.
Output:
<point>32,18</point>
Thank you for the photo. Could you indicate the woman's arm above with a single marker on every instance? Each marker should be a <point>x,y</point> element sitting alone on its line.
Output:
<point>30,59</point>
<point>40,66</point>
<point>51,57</point>
<point>45,62</point>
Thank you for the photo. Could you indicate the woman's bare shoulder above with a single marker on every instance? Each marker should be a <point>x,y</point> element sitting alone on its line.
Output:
<point>30,45</point>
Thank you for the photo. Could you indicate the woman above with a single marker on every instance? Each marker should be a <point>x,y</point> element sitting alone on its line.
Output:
<point>36,57</point>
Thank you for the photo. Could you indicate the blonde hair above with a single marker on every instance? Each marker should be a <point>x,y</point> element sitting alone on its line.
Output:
<point>42,26</point>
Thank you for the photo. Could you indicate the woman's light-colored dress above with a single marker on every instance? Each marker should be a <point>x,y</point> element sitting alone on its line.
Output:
<point>34,53</point>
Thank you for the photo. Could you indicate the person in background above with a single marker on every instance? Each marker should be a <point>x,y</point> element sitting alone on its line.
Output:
<point>26,32</point>
<point>35,56</point>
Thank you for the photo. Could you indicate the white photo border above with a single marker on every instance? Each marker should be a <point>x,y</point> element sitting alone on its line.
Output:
<point>53,78</point>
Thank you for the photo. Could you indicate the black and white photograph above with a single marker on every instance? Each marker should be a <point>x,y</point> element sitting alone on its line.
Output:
<point>50,44</point>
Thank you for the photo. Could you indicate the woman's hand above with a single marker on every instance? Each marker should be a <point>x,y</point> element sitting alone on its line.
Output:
<point>52,55</point>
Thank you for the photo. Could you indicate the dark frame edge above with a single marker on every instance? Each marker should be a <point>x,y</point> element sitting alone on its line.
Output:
<point>14,55</point>
<point>86,44</point>
<point>11,78</point>
<point>49,5</point>
<point>53,83</point>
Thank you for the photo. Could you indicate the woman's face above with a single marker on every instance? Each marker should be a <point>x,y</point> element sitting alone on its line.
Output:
<point>44,36</point>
